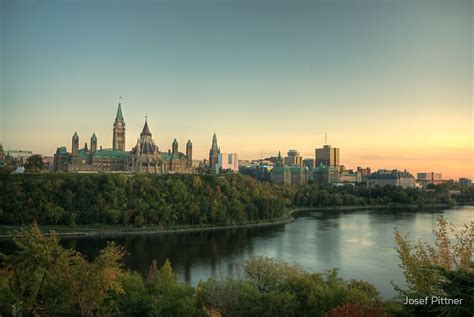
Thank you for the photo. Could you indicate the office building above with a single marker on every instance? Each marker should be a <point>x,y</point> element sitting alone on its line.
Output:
<point>364,171</point>
<point>293,159</point>
<point>424,179</point>
<point>327,155</point>
<point>227,162</point>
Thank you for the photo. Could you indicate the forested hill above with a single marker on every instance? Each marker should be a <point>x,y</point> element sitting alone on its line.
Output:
<point>137,200</point>
<point>183,200</point>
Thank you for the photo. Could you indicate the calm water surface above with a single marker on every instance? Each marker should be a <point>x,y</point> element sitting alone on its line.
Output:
<point>360,243</point>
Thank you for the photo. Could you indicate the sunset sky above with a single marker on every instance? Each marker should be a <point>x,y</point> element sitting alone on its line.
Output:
<point>389,81</point>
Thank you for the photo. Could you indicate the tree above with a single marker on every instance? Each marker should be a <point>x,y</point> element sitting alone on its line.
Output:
<point>444,269</point>
<point>135,299</point>
<point>357,310</point>
<point>457,284</point>
<point>169,297</point>
<point>46,279</point>
<point>34,163</point>
<point>419,262</point>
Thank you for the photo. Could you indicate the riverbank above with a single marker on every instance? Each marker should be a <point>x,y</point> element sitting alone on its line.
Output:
<point>63,231</point>
<point>111,230</point>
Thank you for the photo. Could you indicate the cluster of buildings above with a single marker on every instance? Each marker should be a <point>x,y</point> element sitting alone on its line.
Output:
<point>324,169</point>
<point>146,157</point>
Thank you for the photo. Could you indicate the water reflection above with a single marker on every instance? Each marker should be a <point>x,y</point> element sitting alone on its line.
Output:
<point>360,243</point>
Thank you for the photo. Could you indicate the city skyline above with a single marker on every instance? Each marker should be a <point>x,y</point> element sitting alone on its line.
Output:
<point>389,94</point>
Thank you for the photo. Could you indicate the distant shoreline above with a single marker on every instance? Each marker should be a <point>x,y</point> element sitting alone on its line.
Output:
<point>120,230</point>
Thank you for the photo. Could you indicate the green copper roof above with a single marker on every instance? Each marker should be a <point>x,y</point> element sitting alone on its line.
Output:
<point>111,154</point>
<point>280,170</point>
<point>83,154</point>
<point>119,112</point>
<point>297,169</point>
<point>93,136</point>
<point>393,174</point>
<point>172,157</point>
<point>61,150</point>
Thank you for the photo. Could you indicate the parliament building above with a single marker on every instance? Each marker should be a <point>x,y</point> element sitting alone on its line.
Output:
<point>145,157</point>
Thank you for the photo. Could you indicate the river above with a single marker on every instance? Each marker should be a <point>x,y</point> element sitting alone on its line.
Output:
<point>360,243</point>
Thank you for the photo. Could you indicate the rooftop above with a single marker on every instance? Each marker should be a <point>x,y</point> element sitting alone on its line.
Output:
<point>108,153</point>
<point>389,174</point>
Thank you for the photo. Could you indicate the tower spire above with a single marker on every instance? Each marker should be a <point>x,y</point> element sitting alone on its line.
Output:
<point>119,115</point>
<point>213,154</point>
<point>146,130</point>
<point>118,139</point>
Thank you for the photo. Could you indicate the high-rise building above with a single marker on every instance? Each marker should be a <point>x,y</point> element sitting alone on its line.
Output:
<point>118,139</point>
<point>327,155</point>
<point>213,154</point>
<point>227,162</point>
<point>293,158</point>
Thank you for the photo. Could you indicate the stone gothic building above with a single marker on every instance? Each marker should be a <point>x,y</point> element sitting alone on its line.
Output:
<point>147,158</point>
<point>90,159</point>
<point>95,159</point>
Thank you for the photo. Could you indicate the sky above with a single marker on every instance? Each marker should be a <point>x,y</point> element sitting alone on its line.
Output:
<point>390,82</point>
